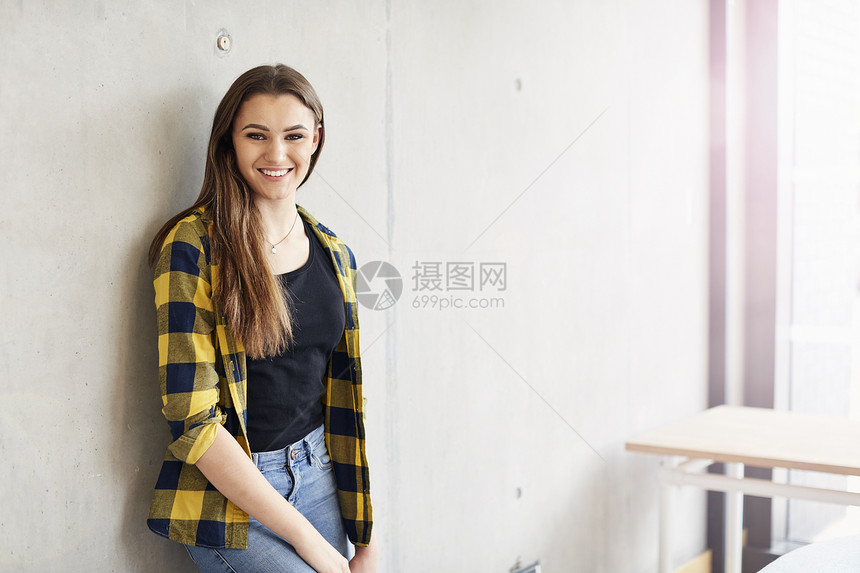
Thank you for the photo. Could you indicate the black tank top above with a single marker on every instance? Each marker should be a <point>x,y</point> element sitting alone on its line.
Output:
<point>285,392</point>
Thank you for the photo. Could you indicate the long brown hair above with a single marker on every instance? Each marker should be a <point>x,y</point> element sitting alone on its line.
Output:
<point>247,293</point>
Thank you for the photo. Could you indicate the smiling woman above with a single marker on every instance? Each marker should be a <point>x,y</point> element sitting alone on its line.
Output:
<point>267,469</point>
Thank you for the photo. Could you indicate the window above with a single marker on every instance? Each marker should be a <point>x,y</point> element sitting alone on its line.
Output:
<point>818,317</point>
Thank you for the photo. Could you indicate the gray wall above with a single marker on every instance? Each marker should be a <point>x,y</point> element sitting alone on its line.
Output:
<point>457,132</point>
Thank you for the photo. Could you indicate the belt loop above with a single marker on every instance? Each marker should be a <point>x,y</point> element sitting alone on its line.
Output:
<point>308,450</point>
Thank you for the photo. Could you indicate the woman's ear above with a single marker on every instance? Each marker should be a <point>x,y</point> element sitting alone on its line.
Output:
<point>317,137</point>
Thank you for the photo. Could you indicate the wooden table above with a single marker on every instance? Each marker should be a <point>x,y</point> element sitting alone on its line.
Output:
<point>748,436</point>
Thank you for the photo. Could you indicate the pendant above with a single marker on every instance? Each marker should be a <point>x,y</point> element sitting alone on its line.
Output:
<point>274,250</point>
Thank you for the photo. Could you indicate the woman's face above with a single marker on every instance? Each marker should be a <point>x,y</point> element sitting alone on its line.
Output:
<point>274,138</point>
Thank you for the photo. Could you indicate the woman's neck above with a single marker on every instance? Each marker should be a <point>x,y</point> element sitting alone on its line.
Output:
<point>278,218</point>
<point>287,246</point>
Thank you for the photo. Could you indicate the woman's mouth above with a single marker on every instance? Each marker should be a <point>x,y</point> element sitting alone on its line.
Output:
<point>274,172</point>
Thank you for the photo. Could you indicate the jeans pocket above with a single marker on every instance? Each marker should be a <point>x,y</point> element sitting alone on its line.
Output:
<point>322,460</point>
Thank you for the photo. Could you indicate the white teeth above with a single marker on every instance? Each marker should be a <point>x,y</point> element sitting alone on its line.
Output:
<point>271,173</point>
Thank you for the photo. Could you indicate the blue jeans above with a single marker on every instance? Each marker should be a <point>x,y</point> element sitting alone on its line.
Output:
<point>302,473</point>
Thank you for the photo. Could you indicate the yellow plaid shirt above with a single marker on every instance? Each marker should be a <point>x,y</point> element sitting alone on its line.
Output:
<point>202,372</point>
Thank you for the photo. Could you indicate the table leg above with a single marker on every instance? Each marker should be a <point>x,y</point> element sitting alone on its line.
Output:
<point>734,522</point>
<point>666,512</point>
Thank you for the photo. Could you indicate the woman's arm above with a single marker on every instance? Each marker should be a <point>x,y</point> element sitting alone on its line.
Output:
<point>230,470</point>
<point>365,558</point>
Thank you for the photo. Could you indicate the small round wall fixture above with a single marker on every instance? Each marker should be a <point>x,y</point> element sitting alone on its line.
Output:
<point>224,43</point>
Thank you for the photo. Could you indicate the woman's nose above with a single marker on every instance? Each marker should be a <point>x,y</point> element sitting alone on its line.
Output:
<point>276,150</point>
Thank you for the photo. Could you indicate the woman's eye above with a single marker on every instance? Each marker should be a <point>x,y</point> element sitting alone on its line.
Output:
<point>257,136</point>
<point>294,136</point>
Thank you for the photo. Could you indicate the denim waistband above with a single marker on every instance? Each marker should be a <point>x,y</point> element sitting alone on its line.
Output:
<point>292,453</point>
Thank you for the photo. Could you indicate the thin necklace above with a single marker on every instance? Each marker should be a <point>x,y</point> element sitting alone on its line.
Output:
<point>274,250</point>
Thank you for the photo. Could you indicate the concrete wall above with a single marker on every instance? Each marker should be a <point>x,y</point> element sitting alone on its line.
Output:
<point>564,139</point>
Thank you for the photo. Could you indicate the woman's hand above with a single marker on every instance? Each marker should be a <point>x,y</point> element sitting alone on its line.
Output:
<point>365,558</point>
<point>322,556</point>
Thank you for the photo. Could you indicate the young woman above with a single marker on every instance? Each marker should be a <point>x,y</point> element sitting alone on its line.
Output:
<point>258,352</point>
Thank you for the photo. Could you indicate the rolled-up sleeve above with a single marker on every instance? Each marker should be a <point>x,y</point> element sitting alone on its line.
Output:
<point>186,349</point>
